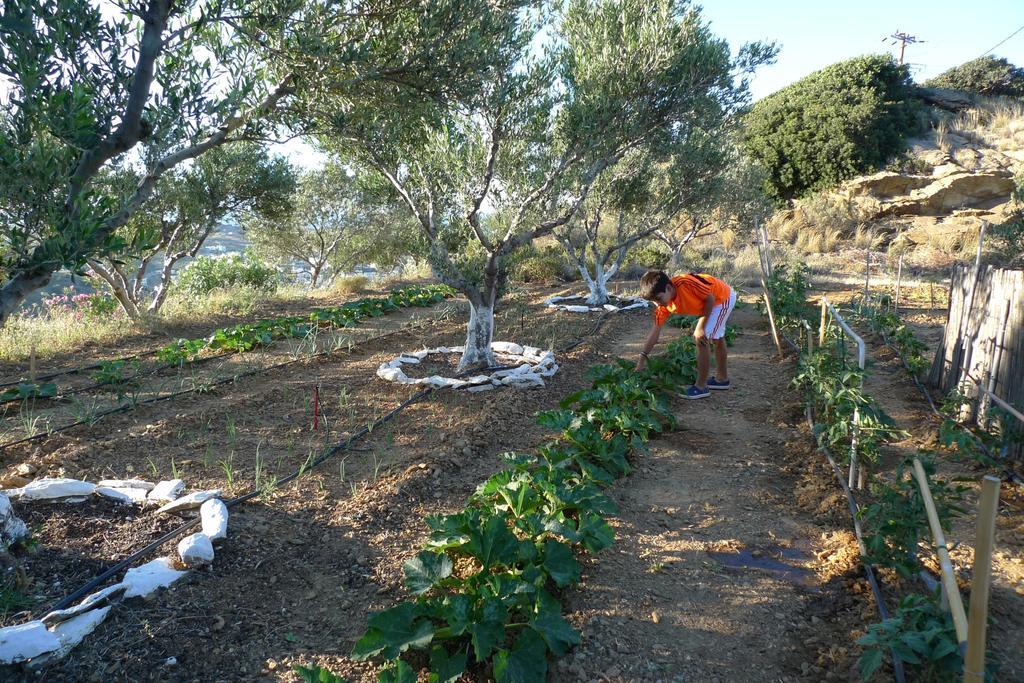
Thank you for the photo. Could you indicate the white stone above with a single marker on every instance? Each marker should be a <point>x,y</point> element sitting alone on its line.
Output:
<point>214,514</point>
<point>547,359</point>
<point>195,550</point>
<point>167,490</point>
<point>410,360</point>
<point>12,529</point>
<point>127,484</point>
<point>418,355</point>
<point>507,347</point>
<point>477,379</point>
<point>441,382</point>
<point>610,308</point>
<point>480,387</point>
<point>146,579</point>
<point>25,641</point>
<point>97,599</point>
<point>391,374</point>
<point>577,309</point>
<point>122,495</point>
<point>189,502</point>
<point>71,632</point>
<point>394,364</point>
<point>56,489</point>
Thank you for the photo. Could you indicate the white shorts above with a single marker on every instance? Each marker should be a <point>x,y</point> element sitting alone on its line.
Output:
<point>714,327</point>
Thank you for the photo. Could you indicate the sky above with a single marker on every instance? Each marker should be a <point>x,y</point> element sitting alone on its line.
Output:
<point>813,35</point>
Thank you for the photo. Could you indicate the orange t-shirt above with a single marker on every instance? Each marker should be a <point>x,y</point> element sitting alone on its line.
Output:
<point>690,296</point>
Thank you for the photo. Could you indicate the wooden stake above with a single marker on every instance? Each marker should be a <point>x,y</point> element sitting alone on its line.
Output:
<point>821,328</point>
<point>899,280</point>
<point>771,320</point>
<point>956,603</point>
<point>974,663</point>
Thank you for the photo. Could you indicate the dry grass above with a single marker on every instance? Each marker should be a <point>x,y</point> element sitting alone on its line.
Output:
<point>996,123</point>
<point>352,284</point>
<point>57,333</point>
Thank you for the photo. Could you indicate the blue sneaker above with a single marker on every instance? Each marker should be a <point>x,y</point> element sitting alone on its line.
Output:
<point>695,392</point>
<point>713,383</point>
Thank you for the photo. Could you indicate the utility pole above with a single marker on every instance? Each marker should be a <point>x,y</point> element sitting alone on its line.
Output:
<point>904,40</point>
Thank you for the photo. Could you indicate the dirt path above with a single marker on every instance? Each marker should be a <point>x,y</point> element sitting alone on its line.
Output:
<point>711,577</point>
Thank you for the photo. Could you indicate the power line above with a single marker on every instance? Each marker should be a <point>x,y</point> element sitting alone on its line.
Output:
<point>1001,41</point>
<point>904,39</point>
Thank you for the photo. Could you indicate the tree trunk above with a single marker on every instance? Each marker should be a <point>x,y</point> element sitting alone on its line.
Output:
<point>598,285</point>
<point>165,285</point>
<point>14,291</point>
<point>117,288</point>
<point>479,335</point>
<point>316,275</point>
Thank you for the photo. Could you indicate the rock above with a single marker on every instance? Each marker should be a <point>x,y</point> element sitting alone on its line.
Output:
<point>12,529</point>
<point>950,100</point>
<point>71,632</point>
<point>509,348</point>
<point>954,191</point>
<point>480,387</point>
<point>214,514</point>
<point>97,599</point>
<point>195,550</point>
<point>189,502</point>
<point>13,481</point>
<point>26,469</point>
<point>127,484</point>
<point>166,490</point>
<point>884,184</point>
<point>55,489</point>
<point>25,641</point>
<point>146,579</point>
<point>577,309</point>
<point>123,495</point>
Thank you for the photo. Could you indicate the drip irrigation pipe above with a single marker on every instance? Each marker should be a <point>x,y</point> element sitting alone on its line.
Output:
<point>75,371</point>
<point>132,406</point>
<point>97,581</point>
<point>897,663</point>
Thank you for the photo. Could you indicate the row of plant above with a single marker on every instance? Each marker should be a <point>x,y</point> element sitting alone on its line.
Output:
<point>487,580</point>
<point>689,321</point>
<point>247,336</point>
<point>119,374</point>
<point>788,288</point>
<point>892,514</point>
<point>967,441</point>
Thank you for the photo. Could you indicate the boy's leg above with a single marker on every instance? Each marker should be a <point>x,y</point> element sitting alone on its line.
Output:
<point>703,365</point>
<point>721,359</point>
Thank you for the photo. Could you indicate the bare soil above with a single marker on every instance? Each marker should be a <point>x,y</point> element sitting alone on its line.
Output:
<point>733,559</point>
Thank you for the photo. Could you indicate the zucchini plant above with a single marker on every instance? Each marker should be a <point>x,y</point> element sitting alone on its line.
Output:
<point>487,579</point>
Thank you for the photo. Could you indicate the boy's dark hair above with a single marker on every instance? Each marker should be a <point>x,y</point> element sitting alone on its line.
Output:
<point>653,283</point>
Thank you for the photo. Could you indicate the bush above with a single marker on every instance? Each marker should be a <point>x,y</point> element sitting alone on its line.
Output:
<point>842,121</point>
<point>351,284</point>
<point>206,274</point>
<point>639,261</point>
<point>989,76</point>
<point>547,264</point>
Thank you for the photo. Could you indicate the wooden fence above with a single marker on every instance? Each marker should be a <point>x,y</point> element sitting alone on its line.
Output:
<point>982,349</point>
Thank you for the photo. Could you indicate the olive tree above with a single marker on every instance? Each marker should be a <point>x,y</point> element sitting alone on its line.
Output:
<point>567,97</point>
<point>189,204</point>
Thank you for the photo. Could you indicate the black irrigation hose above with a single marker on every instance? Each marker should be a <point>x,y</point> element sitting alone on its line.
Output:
<point>97,581</point>
<point>897,663</point>
<point>132,406</point>
<point>75,371</point>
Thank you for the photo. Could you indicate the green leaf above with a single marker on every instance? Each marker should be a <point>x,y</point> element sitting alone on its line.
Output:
<point>494,543</point>
<point>317,674</point>
<point>445,668</point>
<point>424,571</point>
<point>560,564</point>
<point>393,631</point>
<point>399,673</point>
<point>525,663</point>
<point>595,533</point>
<point>488,631</point>
<point>869,663</point>
<point>556,631</point>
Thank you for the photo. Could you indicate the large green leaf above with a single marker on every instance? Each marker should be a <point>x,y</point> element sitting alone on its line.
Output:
<point>445,668</point>
<point>393,631</point>
<point>493,543</point>
<point>526,662</point>
<point>556,631</point>
<point>560,564</point>
<point>424,571</point>
<point>399,673</point>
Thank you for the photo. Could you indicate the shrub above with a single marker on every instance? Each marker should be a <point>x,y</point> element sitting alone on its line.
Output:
<point>842,121</point>
<point>205,274</point>
<point>990,76</point>
<point>638,261</point>
<point>546,264</point>
<point>351,284</point>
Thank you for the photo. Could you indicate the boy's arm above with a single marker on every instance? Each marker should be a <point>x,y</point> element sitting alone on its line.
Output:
<point>699,334</point>
<point>652,339</point>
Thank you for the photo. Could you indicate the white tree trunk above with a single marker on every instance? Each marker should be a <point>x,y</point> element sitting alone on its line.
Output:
<point>165,285</point>
<point>479,335</point>
<point>598,285</point>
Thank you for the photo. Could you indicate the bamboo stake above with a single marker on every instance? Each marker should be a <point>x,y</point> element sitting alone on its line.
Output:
<point>974,662</point>
<point>771,320</point>
<point>899,280</point>
<point>821,328</point>
<point>956,604</point>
